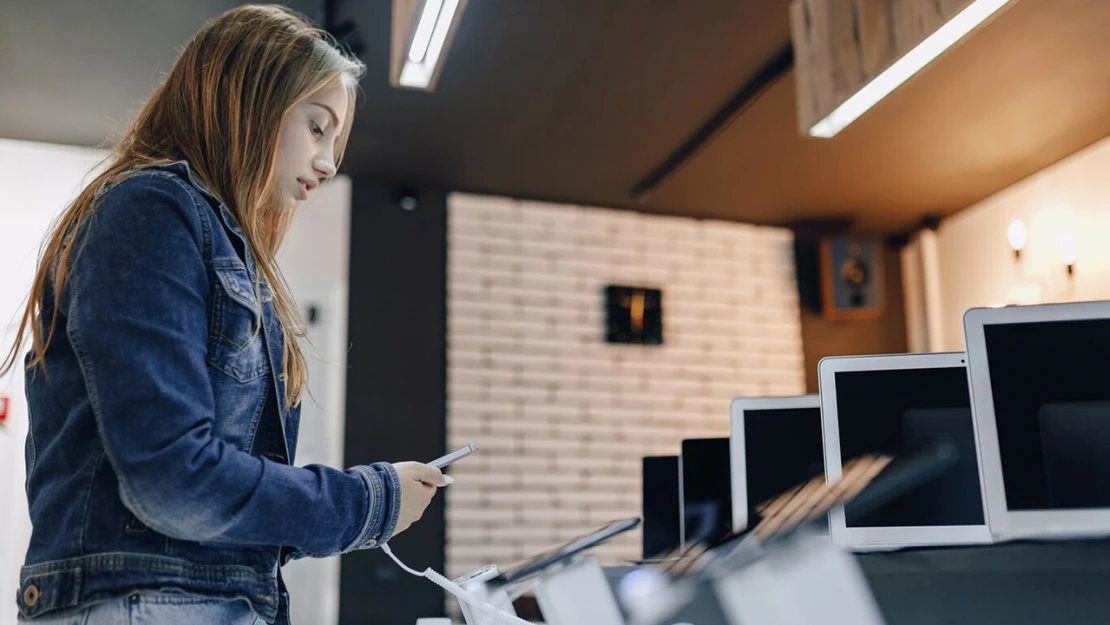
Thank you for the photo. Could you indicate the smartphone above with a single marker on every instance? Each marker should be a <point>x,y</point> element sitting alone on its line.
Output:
<point>454,456</point>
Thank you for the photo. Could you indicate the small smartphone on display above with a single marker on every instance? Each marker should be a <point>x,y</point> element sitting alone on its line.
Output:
<point>454,456</point>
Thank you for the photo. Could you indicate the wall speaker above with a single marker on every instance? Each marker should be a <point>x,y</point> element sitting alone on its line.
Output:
<point>851,274</point>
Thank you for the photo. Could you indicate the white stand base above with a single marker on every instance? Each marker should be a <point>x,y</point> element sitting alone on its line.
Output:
<point>577,594</point>
<point>808,581</point>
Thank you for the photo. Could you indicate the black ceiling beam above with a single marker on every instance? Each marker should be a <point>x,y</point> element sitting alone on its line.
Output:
<point>749,93</point>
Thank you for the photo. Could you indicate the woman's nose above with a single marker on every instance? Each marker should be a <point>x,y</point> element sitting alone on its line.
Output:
<point>325,167</point>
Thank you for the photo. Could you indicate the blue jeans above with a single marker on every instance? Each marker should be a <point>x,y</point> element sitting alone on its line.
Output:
<point>157,608</point>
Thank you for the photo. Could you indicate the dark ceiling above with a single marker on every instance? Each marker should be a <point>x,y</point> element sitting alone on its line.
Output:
<point>578,100</point>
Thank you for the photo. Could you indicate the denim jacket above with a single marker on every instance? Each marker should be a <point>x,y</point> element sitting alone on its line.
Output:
<point>160,447</point>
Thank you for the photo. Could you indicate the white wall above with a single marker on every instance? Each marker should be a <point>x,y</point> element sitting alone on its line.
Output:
<point>563,418</point>
<point>39,180</point>
<point>315,260</point>
<point>977,267</point>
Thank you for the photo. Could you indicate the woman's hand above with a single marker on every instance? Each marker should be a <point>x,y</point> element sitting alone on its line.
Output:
<point>418,485</point>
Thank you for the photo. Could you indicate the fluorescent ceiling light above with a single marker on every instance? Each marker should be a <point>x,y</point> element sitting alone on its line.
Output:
<point>427,43</point>
<point>423,33</point>
<point>905,67</point>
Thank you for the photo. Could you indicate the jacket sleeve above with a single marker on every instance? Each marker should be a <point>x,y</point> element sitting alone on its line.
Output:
<point>136,307</point>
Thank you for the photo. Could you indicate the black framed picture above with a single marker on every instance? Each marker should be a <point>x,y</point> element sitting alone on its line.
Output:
<point>633,315</point>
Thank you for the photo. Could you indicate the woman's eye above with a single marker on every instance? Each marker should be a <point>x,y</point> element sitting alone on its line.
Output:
<point>316,129</point>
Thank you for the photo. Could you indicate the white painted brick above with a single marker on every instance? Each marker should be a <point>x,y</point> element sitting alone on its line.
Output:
<point>524,295</point>
<point>548,514</point>
<point>564,418</point>
<point>470,207</point>
<point>575,464</point>
<point>467,427</point>
<point>709,405</point>
<point>519,462</point>
<point>557,215</point>
<point>461,226</point>
<point>480,377</point>
<point>457,289</point>
<point>544,445</point>
<point>552,482</point>
<point>545,379</point>
<point>521,499</point>
<point>618,450</point>
<point>590,499</point>
<point>499,442</point>
<point>601,515</point>
<point>593,427</point>
<point>616,221</point>
<point>589,463</point>
<point>486,409</point>
<point>465,497</point>
<point>472,469</point>
<point>495,552</point>
<point>523,396</point>
<point>477,515</point>
<point>529,534</point>
<point>461,327</point>
<point>469,267</point>
<point>465,309</point>
<point>593,238</point>
<point>602,483</point>
<point>549,248</point>
<point>467,537</point>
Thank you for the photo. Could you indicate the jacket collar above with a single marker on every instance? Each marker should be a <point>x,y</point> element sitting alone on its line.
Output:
<point>183,169</point>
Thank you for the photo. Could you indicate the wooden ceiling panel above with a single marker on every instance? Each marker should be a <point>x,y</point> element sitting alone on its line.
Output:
<point>1028,89</point>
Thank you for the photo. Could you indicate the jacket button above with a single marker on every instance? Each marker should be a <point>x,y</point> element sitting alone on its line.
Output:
<point>31,596</point>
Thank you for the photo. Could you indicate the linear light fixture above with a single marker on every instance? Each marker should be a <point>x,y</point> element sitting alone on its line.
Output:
<point>434,25</point>
<point>902,69</point>
<point>423,35</point>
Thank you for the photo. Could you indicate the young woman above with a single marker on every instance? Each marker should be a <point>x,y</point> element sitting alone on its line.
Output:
<point>165,374</point>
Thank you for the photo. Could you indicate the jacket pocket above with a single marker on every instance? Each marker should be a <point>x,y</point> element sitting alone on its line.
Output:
<point>237,347</point>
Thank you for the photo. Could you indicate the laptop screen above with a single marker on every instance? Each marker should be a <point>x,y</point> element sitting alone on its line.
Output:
<point>706,489</point>
<point>782,449</point>
<point>1050,383</point>
<point>660,505</point>
<point>895,411</point>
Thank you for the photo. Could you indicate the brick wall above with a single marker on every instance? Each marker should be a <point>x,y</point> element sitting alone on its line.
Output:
<point>563,418</point>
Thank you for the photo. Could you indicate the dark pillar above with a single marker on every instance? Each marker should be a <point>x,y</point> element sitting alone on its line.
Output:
<point>396,386</point>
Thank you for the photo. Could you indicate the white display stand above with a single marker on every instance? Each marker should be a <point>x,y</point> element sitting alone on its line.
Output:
<point>805,581</point>
<point>498,597</point>
<point>577,593</point>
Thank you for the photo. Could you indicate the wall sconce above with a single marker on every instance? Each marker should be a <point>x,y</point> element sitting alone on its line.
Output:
<point>1067,251</point>
<point>1017,235</point>
<point>1032,285</point>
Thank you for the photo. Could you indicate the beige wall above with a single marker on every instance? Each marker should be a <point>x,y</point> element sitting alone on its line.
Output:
<point>977,267</point>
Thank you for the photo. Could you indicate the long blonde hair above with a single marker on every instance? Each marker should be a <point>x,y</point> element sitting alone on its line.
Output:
<point>220,108</point>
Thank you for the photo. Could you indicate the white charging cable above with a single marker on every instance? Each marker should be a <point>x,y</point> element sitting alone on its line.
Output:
<point>461,593</point>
